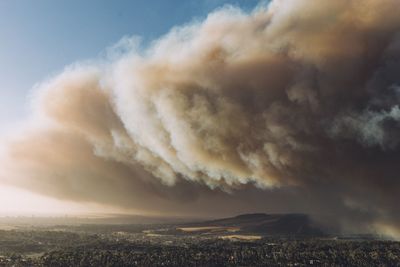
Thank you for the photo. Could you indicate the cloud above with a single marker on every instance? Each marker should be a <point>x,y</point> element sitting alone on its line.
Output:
<point>292,107</point>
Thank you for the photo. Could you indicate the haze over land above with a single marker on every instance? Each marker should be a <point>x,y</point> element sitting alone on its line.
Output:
<point>293,107</point>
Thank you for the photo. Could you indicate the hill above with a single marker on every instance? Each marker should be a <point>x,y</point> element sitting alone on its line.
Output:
<point>266,224</point>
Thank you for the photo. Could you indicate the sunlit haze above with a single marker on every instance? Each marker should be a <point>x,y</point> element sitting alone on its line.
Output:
<point>19,202</point>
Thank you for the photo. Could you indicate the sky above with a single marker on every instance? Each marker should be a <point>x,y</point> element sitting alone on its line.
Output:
<point>279,107</point>
<point>39,38</point>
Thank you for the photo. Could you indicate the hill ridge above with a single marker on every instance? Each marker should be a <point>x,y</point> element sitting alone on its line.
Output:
<point>289,224</point>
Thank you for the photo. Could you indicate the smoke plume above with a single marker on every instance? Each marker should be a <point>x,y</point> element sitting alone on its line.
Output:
<point>293,107</point>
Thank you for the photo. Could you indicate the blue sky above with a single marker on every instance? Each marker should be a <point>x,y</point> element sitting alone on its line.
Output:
<point>39,38</point>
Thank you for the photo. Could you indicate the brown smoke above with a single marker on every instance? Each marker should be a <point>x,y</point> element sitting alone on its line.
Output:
<point>293,107</point>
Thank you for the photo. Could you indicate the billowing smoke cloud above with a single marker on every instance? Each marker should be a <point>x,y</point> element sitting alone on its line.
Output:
<point>293,107</point>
